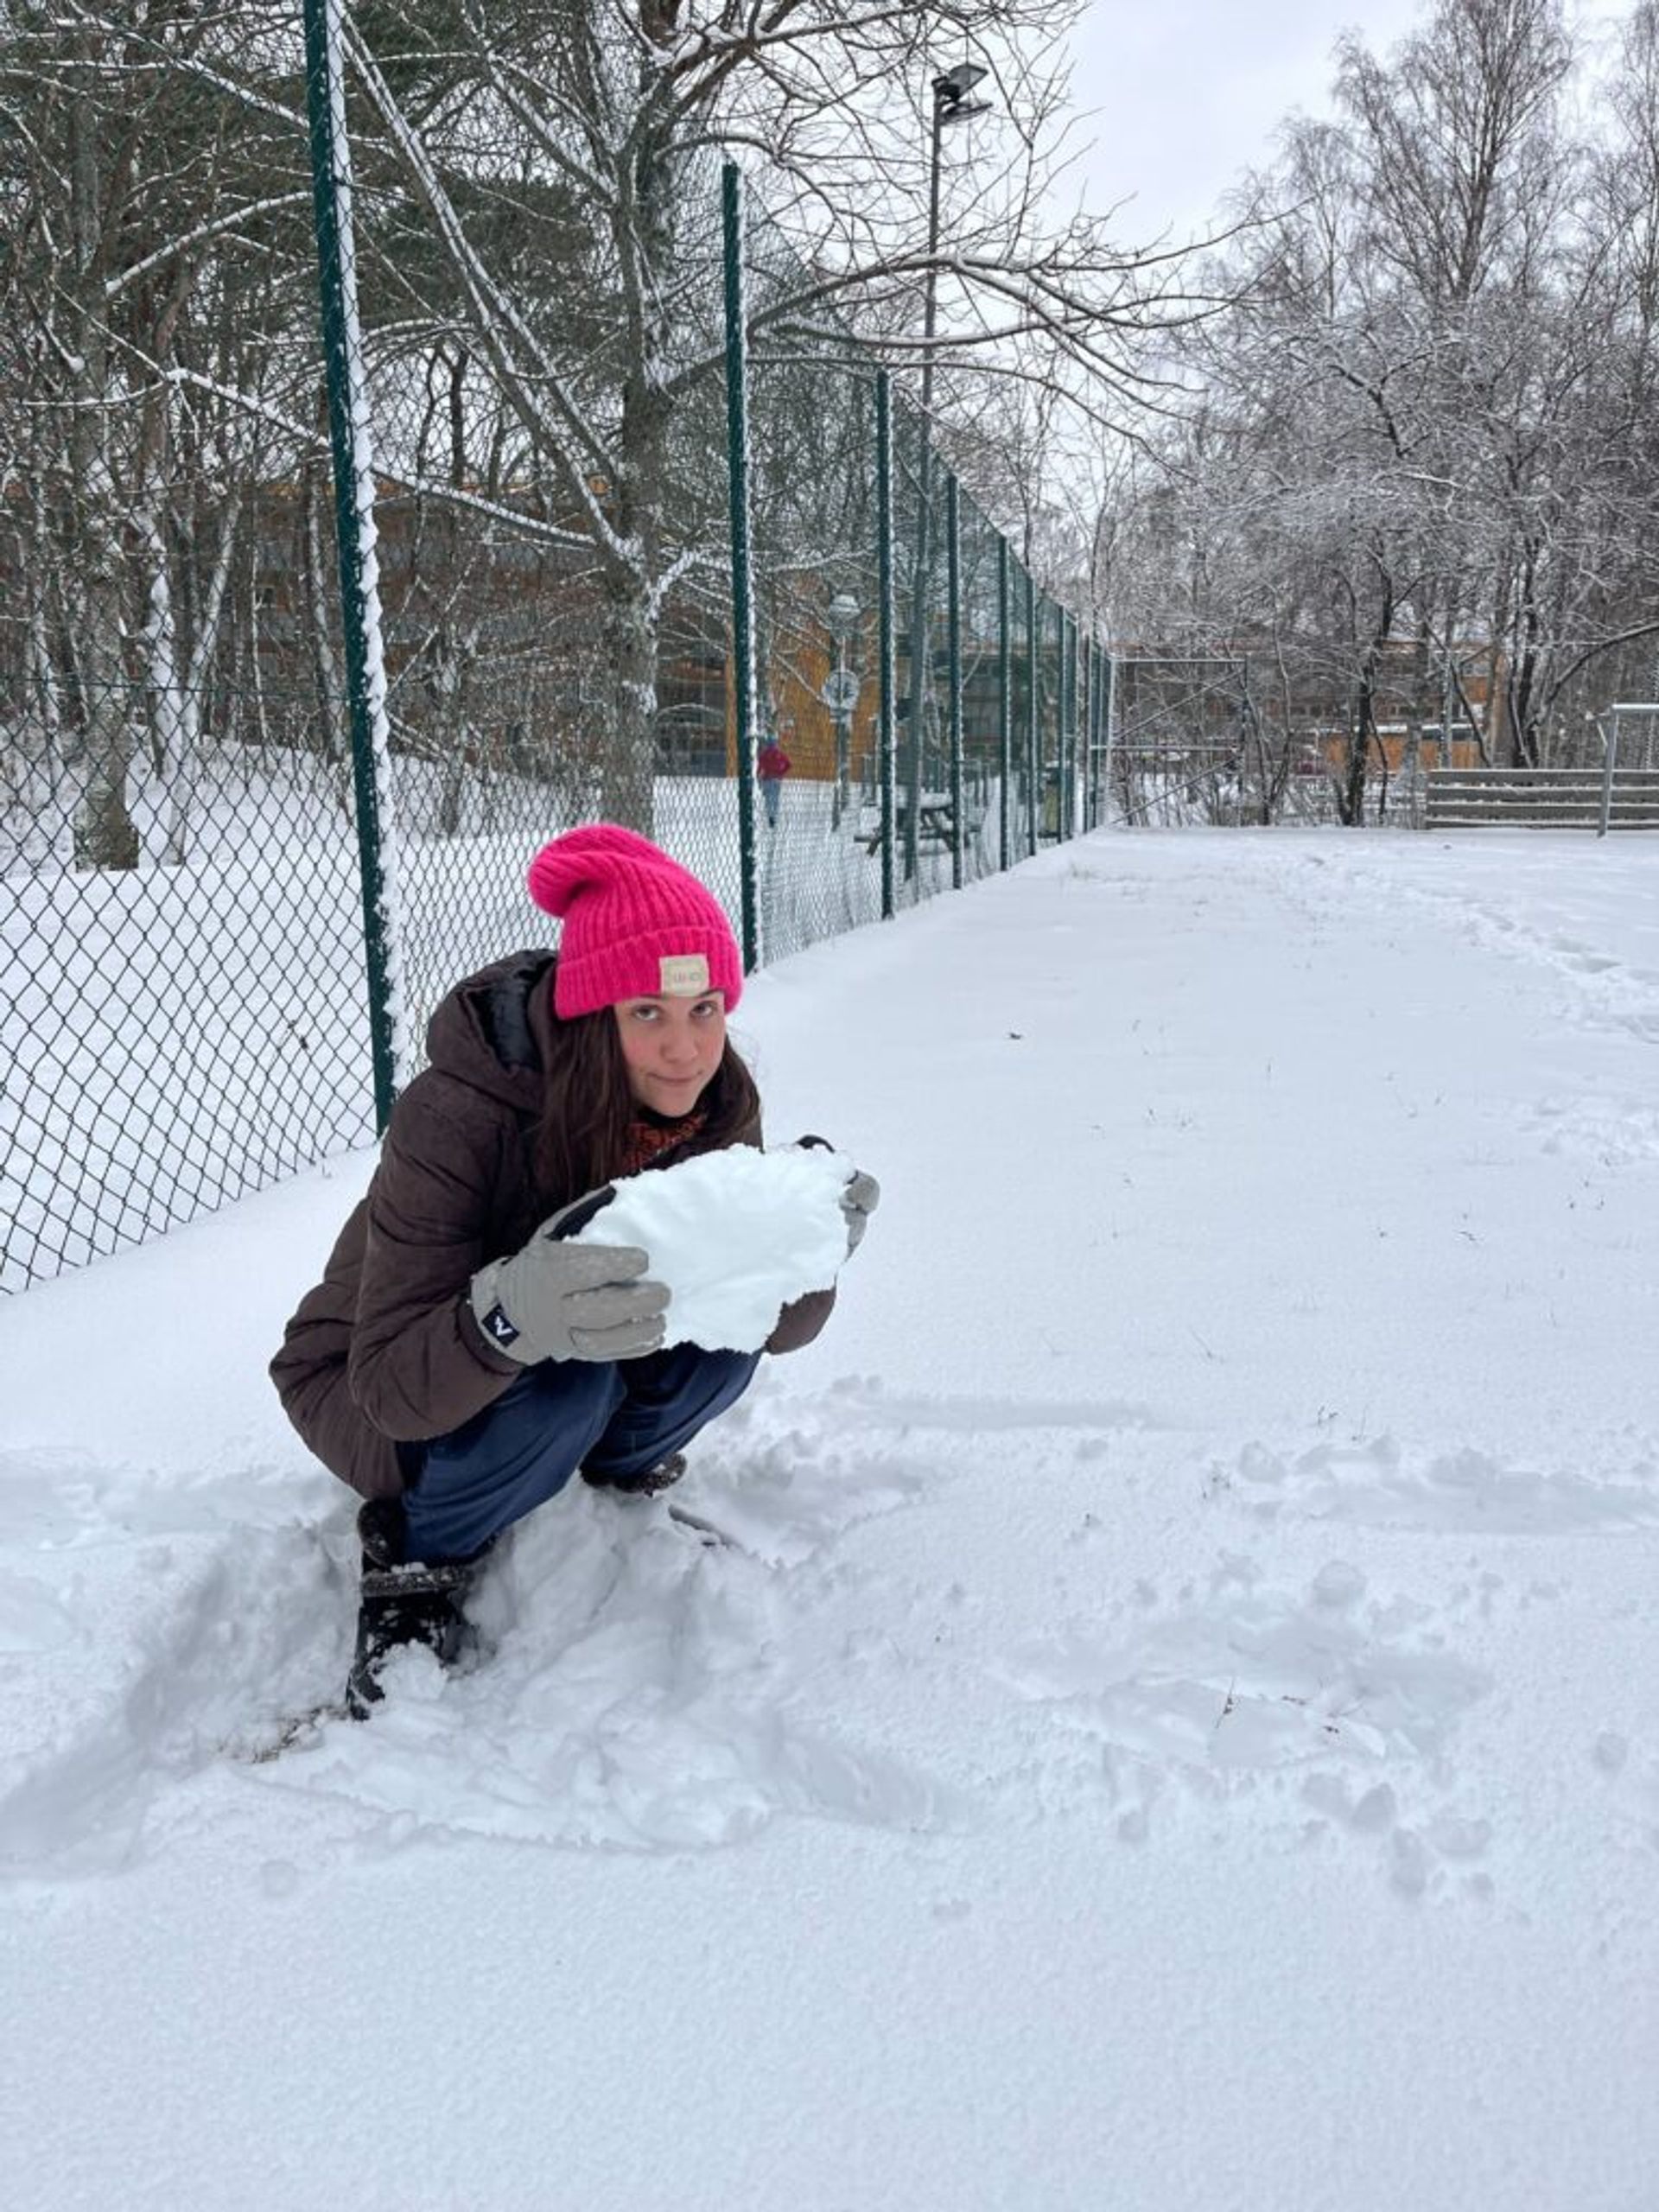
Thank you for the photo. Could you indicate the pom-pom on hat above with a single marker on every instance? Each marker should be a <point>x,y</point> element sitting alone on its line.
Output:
<point>637,924</point>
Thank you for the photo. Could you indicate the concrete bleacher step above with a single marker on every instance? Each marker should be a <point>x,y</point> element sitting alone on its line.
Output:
<point>1558,818</point>
<point>1560,798</point>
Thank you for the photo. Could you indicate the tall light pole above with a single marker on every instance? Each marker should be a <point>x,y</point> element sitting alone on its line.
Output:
<point>951,104</point>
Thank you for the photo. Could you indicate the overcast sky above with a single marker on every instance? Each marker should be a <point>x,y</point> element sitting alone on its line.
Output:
<point>1181,95</point>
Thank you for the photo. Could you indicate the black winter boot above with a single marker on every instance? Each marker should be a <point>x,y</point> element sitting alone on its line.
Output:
<point>403,1601</point>
<point>645,1483</point>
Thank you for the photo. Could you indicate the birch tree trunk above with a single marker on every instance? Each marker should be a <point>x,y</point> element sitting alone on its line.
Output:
<point>105,835</point>
<point>176,688</point>
<point>41,734</point>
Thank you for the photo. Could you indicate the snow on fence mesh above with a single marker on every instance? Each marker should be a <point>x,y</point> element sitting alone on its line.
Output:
<point>184,1010</point>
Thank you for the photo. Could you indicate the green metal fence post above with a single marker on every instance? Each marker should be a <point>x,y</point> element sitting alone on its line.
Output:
<point>1059,722</point>
<point>953,559</point>
<point>1079,732</point>
<point>1097,813</point>
<point>737,471</point>
<point>1082,661</point>
<point>1103,739</point>
<point>1004,708</point>
<point>1034,778</point>
<point>1091,786</point>
<point>1073,802</point>
<point>360,582</point>
<point>1063,727</point>
<point>1065,812</point>
<point>1108,706</point>
<point>884,594</point>
<point>1065,640</point>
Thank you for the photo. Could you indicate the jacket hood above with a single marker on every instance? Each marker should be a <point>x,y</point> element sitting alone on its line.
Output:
<point>484,1033</point>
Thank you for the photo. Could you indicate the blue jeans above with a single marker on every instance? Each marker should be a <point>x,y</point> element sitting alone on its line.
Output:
<point>616,1418</point>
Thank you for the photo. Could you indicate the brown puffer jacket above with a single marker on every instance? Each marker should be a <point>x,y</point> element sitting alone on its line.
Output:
<point>386,1348</point>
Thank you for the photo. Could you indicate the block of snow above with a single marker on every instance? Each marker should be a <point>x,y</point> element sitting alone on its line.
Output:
<point>735,1235</point>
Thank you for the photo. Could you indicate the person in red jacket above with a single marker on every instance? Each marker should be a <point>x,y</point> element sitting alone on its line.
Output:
<point>461,1361</point>
<point>771,764</point>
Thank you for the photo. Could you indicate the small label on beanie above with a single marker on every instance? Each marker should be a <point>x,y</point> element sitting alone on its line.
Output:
<point>685,975</point>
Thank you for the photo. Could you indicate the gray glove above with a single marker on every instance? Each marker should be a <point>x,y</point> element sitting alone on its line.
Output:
<point>555,1300</point>
<point>859,1199</point>
<point>858,1202</point>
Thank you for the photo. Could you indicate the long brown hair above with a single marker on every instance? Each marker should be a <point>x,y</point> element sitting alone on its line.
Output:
<point>583,1138</point>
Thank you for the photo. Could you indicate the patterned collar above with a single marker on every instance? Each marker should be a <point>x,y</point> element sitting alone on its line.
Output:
<point>649,1135</point>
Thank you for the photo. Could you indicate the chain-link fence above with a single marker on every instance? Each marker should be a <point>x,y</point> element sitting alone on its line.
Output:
<point>896,749</point>
<point>279,731</point>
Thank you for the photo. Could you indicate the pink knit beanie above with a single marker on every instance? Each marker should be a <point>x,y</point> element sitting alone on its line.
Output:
<point>636,925</point>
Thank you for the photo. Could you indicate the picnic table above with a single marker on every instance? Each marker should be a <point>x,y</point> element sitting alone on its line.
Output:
<point>936,825</point>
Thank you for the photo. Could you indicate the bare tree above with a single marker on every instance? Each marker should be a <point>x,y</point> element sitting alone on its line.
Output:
<point>611,115</point>
<point>1446,127</point>
<point>1426,428</point>
<point>155,235</point>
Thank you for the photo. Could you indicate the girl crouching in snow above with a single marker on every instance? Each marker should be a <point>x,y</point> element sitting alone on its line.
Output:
<point>459,1360</point>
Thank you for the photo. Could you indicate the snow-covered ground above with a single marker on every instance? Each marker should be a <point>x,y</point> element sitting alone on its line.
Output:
<point>1183,1732</point>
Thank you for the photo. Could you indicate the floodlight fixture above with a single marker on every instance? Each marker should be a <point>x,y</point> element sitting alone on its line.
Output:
<point>952,87</point>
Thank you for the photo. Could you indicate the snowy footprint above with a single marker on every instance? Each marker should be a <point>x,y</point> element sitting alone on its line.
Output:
<point>1236,1696</point>
<point>1252,1681</point>
<point>1378,1486</point>
<point>635,1699</point>
<point>632,1687</point>
<point>153,1658</point>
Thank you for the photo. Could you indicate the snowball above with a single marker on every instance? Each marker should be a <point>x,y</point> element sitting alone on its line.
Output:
<point>735,1235</point>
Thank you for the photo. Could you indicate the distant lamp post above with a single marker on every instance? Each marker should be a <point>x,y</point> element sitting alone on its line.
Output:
<point>840,694</point>
<point>951,105</point>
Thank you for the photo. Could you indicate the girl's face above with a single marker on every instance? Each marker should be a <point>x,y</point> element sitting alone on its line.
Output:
<point>672,1047</point>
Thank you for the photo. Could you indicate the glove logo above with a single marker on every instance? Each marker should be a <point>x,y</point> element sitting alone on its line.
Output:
<point>499,1328</point>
